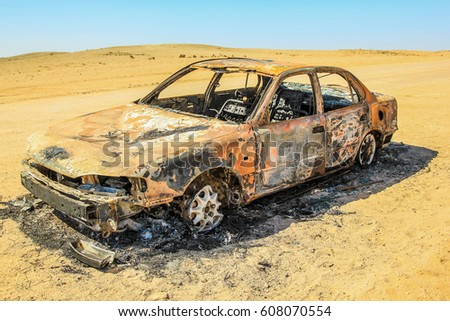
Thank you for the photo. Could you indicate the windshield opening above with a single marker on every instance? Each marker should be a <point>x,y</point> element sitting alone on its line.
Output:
<point>225,94</point>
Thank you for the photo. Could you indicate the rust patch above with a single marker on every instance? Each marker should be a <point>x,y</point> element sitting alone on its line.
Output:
<point>55,152</point>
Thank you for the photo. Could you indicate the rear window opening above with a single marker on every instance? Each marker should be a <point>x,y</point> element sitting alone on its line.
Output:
<point>336,91</point>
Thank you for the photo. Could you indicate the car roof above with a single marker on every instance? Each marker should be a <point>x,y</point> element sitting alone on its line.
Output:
<point>268,67</point>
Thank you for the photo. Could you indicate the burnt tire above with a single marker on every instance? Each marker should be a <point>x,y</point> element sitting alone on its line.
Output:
<point>367,151</point>
<point>200,208</point>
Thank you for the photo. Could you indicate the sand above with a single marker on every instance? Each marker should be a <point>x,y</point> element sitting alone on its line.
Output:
<point>396,245</point>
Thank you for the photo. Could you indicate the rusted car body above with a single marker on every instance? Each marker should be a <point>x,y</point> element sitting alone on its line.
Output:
<point>252,128</point>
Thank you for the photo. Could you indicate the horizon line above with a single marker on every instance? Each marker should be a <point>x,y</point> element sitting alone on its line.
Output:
<point>219,47</point>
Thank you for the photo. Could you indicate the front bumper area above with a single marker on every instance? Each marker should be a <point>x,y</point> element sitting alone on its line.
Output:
<point>99,213</point>
<point>75,208</point>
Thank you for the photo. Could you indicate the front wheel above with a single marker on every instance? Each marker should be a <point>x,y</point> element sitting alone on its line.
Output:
<point>201,209</point>
<point>367,150</point>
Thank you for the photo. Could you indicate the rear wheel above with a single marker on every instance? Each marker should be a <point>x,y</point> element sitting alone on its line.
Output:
<point>367,150</point>
<point>201,209</point>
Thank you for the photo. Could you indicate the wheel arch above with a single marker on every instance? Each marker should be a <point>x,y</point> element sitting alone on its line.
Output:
<point>226,180</point>
<point>378,136</point>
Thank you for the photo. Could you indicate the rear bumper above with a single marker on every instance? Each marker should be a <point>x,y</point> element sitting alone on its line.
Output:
<point>99,213</point>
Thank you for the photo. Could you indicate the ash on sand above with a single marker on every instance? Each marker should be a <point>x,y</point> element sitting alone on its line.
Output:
<point>165,237</point>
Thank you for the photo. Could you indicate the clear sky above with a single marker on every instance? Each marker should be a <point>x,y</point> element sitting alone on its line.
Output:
<point>45,25</point>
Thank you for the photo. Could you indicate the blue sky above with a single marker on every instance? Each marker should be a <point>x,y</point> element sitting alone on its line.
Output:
<point>29,26</point>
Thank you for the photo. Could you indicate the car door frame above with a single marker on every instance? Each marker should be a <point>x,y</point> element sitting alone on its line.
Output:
<point>346,126</point>
<point>261,129</point>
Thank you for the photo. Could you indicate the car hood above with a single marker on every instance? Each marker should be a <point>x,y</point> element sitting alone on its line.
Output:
<point>118,141</point>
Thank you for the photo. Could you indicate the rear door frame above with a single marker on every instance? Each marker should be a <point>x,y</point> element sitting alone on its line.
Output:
<point>346,126</point>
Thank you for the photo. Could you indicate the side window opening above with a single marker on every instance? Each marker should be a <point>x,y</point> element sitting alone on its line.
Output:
<point>294,98</point>
<point>235,95</point>
<point>336,91</point>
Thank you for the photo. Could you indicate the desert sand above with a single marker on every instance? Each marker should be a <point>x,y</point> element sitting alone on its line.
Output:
<point>394,246</point>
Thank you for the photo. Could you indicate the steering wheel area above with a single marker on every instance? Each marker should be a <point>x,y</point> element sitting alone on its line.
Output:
<point>239,95</point>
<point>234,110</point>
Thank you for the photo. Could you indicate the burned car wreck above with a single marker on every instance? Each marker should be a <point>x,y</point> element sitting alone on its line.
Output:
<point>218,133</point>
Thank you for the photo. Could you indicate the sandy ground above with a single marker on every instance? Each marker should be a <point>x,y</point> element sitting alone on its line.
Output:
<point>395,245</point>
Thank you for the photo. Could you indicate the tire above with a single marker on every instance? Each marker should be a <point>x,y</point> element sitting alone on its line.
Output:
<point>201,208</point>
<point>367,151</point>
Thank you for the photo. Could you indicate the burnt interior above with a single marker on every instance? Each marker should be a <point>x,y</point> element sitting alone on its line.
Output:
<point>335,98</point>
<point>292,100</point>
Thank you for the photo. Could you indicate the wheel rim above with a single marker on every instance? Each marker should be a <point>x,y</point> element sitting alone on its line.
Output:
<point>203,210</point>
<point>367,150</point>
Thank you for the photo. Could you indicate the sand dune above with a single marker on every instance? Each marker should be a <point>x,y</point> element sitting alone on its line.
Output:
<point>395,246</point>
